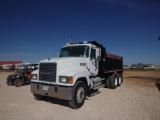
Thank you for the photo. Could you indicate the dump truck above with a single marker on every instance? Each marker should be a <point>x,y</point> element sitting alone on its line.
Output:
<point>80,68</point>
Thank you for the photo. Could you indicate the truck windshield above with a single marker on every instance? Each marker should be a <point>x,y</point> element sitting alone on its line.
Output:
<point>75,51</point>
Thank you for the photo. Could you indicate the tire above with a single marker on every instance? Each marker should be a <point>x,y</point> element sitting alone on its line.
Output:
<point>78,96</point>
<point>114,81</point>
<point>39,97</point>
<point>108,82</point>
<point>119,77</point>
<point>18,83</point>
<point>9,82</point>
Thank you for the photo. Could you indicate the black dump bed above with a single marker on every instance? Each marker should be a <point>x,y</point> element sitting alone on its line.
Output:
<point>114,62</point>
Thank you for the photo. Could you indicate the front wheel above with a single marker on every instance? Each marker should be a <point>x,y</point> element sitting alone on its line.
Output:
<point>79,95</point>
<point>9,82</point>
<point>18,83</point>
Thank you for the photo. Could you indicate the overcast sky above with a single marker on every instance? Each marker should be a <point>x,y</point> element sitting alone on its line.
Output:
<point>32,30</point>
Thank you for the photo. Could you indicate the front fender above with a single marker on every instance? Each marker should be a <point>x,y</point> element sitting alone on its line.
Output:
<point>76,73</point>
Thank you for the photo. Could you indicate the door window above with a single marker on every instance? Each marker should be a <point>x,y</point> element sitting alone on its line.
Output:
<point>93,53</point>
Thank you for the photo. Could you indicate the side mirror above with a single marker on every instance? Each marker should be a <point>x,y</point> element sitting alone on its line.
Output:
<point>98,58</point>
<point>91,58</point>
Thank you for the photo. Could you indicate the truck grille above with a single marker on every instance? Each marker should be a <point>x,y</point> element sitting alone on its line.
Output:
<point>47,72</point>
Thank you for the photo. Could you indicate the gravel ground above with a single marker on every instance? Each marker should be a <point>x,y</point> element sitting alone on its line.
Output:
<point>135,99</point>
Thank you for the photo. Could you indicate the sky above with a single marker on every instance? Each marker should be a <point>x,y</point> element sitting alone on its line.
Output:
<point>32,30</point>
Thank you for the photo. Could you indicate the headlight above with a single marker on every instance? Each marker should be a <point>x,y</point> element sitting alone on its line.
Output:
<point>34,76</point>
<point>63,79</point>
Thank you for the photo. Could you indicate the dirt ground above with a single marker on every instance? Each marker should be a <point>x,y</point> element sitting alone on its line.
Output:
<point>135,99</point>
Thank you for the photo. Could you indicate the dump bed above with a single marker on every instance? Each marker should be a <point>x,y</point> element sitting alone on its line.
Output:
<point>114,62</point>
<point>113,56</point>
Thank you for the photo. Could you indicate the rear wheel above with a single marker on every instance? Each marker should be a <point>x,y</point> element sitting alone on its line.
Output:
<point>108,82</point>
<point>114,81</point>
<point>119,76</point>
<point>79,95</point>
<point>18,83</point>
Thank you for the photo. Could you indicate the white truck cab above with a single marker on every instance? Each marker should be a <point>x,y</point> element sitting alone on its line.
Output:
<point>78,69</point>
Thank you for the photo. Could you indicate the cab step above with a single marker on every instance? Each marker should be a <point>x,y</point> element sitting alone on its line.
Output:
<point>97,79</point>
<point>98,85</point>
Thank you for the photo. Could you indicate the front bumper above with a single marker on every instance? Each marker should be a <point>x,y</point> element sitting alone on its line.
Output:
<point>55,91</point>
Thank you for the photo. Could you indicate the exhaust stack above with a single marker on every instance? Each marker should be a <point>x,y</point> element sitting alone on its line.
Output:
<point>70,40</point>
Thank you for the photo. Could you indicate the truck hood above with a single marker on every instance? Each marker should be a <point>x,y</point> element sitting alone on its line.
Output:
<point>62,59</point>
<point>67,64</point>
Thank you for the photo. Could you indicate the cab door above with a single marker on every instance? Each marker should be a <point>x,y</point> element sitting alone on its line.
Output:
<point>93,62</point>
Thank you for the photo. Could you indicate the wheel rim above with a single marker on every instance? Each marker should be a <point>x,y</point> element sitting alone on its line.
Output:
<point>115,82</point>
<point>19,83</point>
<point>80,95</point>
<point>120,80</point>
